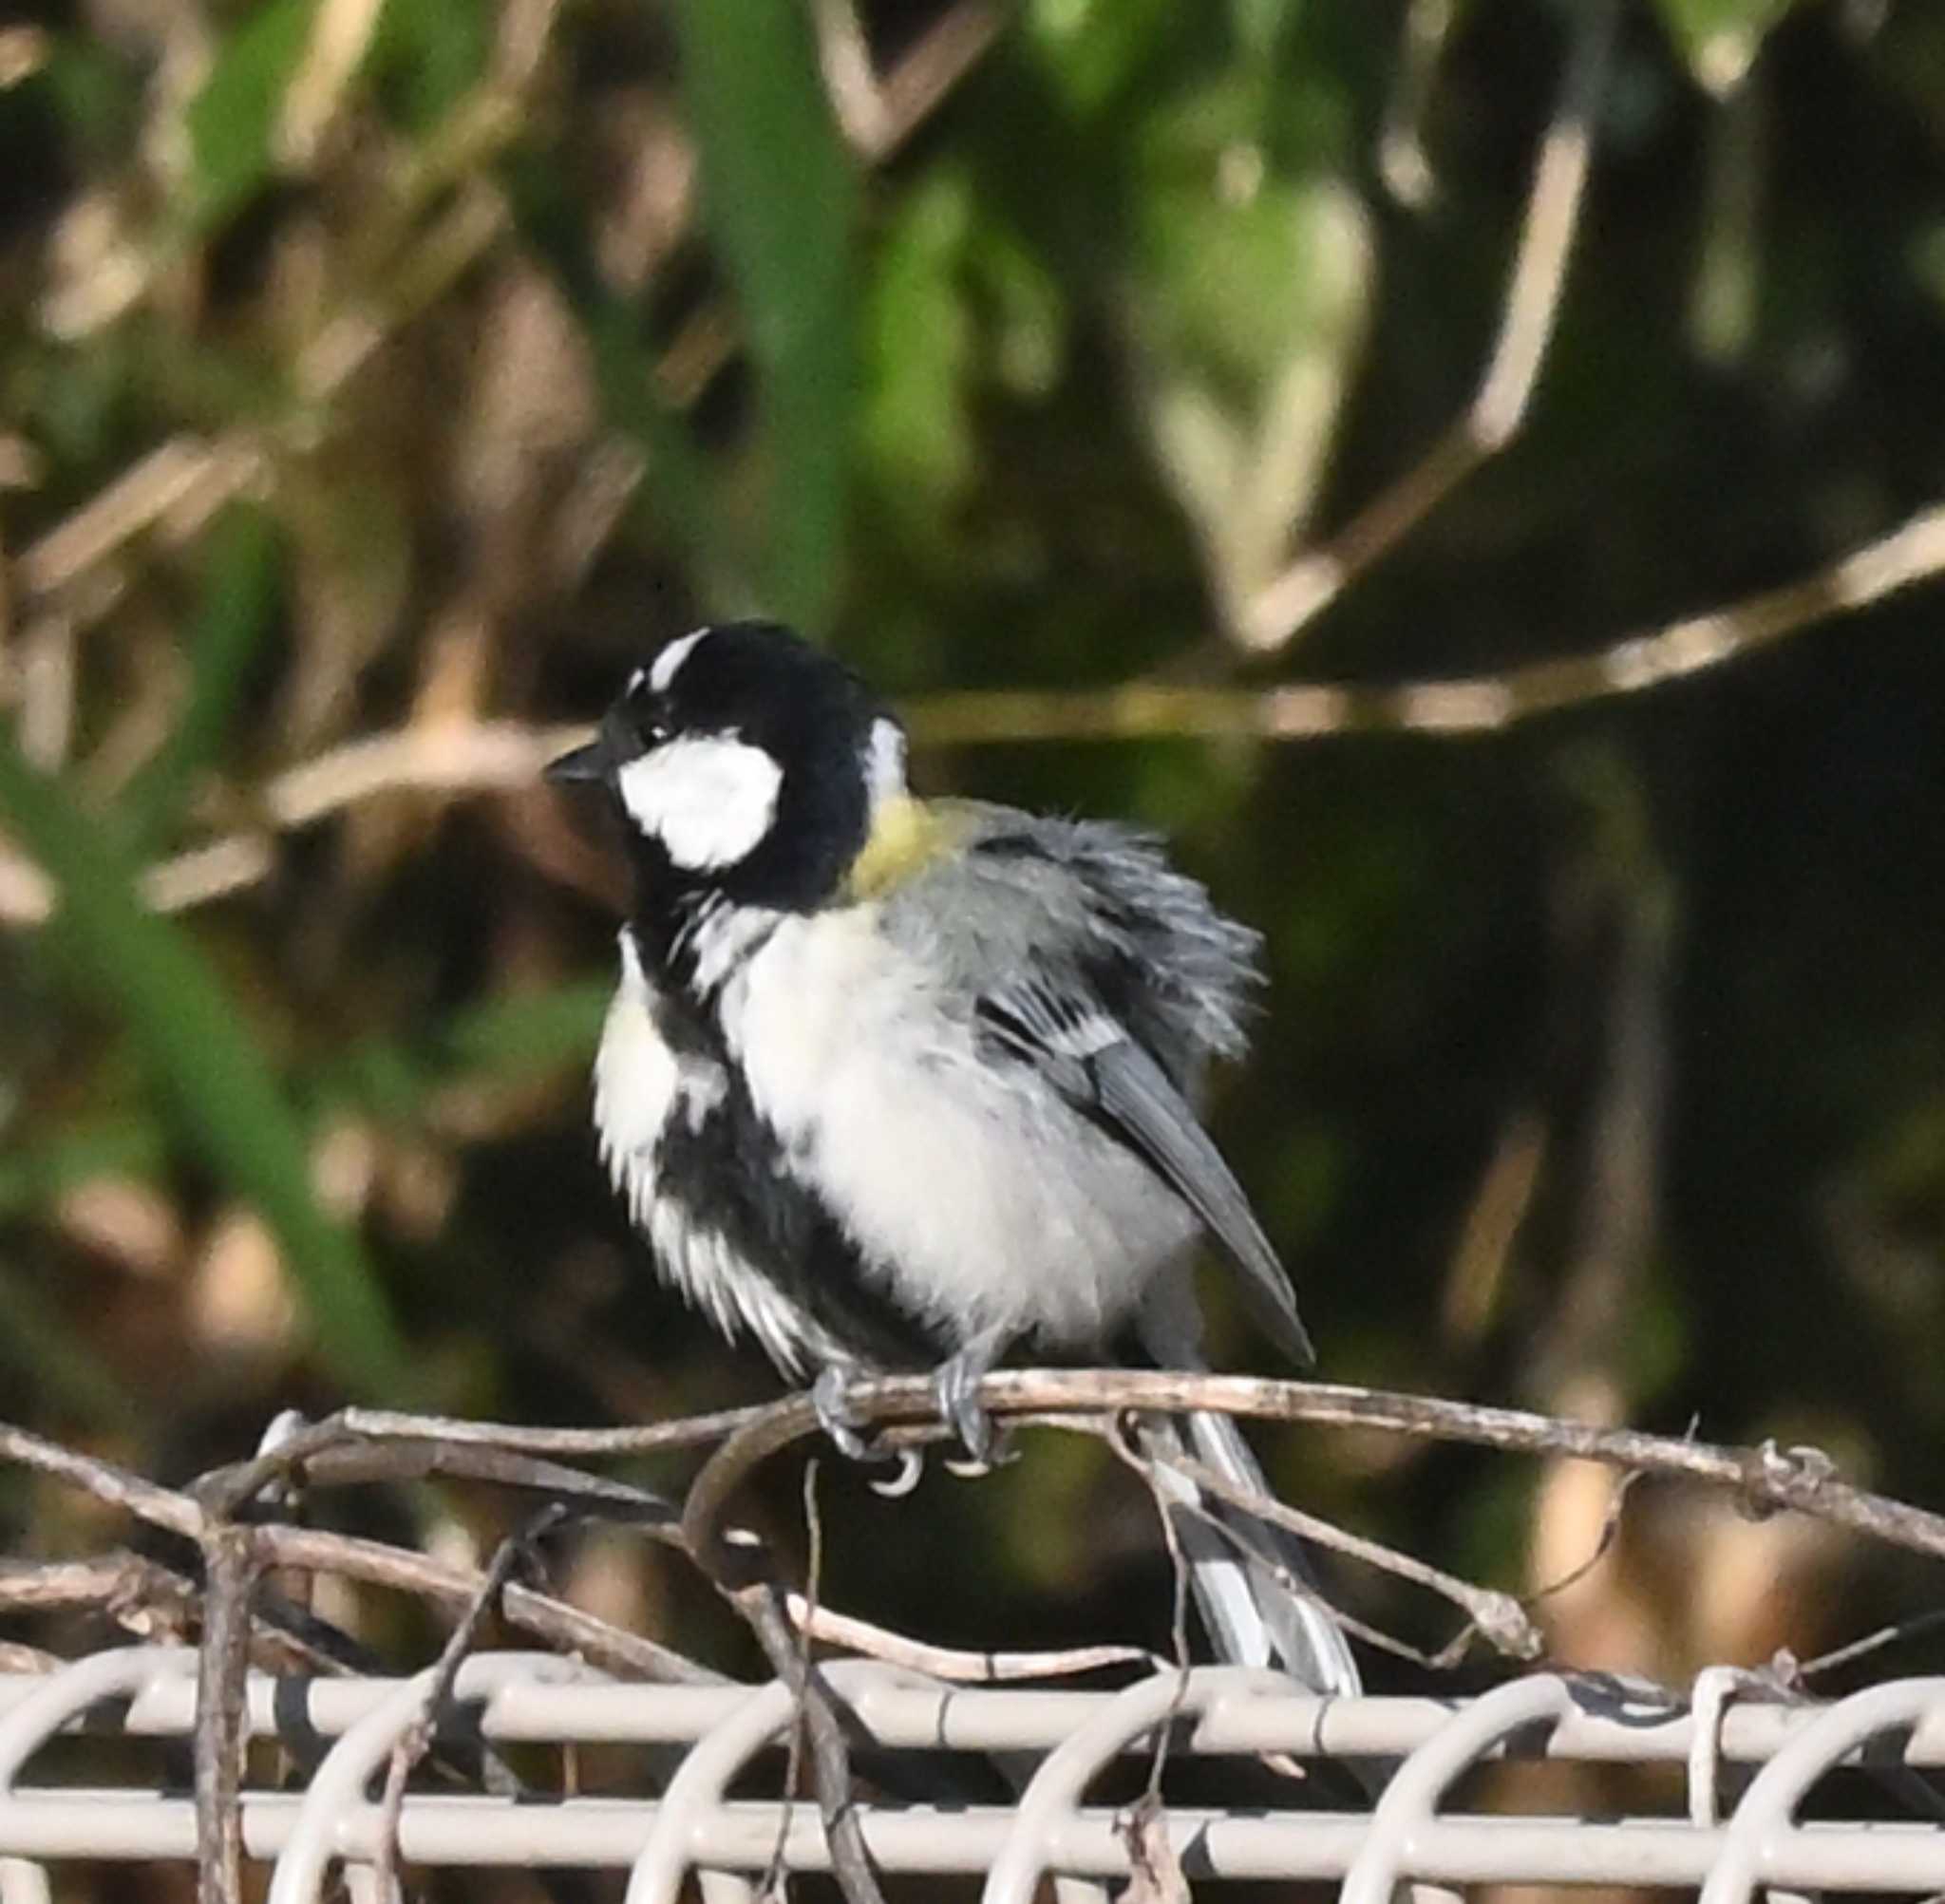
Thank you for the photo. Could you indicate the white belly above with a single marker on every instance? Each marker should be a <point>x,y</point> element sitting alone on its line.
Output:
<point>980,1199</point>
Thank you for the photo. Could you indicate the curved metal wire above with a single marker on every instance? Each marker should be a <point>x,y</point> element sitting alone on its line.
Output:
<point>1054,1795</point>
<point>1762,1832</point>
<point>1056,1740</point>
<point>337,1787</point>
<point>1410,1800</point>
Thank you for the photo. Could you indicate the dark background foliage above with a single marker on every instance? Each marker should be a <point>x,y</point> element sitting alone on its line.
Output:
<point>416,391</point>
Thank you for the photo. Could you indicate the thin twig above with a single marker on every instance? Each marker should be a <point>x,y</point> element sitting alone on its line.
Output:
<point>1766,1475</point>
<point>111,1485</point>
<point>1454,705</point>
<point>1499,407</point>
<point>157,1604</point>
<point>1498,1615</point>
<point>1893,1634</point>
<point>1125,1452</point>
<point>507,756</point>
<point>423,1459</point>
<point>414,1742</point>
<point>761,1607</point>
<point>774,1885</point>
<point>736,1563</point>
<point>230,1565</point>
<point>1609,1532</point>
<point>352,1557</point>
<point>554,1622</point>
<point>223,1488</point>
<point>958,1663</point>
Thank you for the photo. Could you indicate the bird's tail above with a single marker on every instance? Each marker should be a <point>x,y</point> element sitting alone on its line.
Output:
<point>1252,1581</point>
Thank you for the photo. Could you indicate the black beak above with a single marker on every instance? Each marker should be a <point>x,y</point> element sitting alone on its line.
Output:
<point>584,765</point>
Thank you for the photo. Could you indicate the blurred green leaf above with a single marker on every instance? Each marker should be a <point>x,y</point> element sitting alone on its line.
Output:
<point>919,353</point>
<point>35,1175</point>
<point>145,972</point>
<point>551,220</point>
<point>425,54</point>
<point>95,94</point>
<point>1719,38</point>
<point>533,1032</point>
<point>781,199</point>
<point>1250,307</point>
<point>233,119</point>
<point>241,592</point>
<point>1092,49</point>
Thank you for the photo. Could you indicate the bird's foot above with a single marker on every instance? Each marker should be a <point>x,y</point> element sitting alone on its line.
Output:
<point>956,1384</point>
<point>829,1396</point>
<point>837,1418</point>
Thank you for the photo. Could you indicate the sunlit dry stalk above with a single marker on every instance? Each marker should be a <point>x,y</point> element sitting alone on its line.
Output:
<point>128,505</point>
<point>24,51</point>
<point>876,114</point>
<point>341,33</point>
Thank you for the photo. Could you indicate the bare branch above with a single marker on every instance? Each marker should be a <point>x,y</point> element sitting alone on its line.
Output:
<point>111,1485</point>
<point>1499,407</point>
<point>552,1621</point>
<point>1459,704</point>
<point>1766,1477</point>
<point>761,1607</point>
<point>1499,1617</point>
<point>962,1667</point>
<point>231,1565</point>
<point>224,1489</point>
<point>414,1742</point>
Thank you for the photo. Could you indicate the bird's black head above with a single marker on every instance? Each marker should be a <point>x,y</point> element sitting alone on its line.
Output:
<point>743,763</point>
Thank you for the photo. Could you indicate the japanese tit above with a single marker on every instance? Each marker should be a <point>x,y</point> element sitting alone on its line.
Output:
<point>894,1083</point>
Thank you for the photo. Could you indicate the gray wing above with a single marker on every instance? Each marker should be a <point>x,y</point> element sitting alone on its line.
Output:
<point>1089,1058</point>
<point>1083,954</point>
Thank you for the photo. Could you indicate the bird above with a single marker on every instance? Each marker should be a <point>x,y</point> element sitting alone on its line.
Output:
<point>898,1084</point>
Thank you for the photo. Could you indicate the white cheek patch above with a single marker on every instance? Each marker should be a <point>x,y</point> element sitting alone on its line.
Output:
<point>709,799</point>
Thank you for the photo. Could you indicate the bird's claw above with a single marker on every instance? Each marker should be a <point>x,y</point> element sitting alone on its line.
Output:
<point>837,1418</point>
<point>956,1386</point>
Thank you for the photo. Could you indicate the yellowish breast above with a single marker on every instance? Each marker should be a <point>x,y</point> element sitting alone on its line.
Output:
<point>906,833</point>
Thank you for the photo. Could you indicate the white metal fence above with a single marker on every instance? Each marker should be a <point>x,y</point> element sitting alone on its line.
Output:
<point>1730,1826</point>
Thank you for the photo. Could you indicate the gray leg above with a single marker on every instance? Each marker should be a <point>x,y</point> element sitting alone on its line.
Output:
<point>834,1414</point>
<point>956,1384</point>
